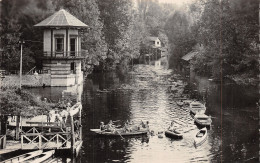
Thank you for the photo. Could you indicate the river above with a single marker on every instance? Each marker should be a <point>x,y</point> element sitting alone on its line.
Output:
<point>143,95</point>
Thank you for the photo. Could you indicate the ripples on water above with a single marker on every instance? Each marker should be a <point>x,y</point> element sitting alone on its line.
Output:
<point>147,100</point>
<point>142,95</point>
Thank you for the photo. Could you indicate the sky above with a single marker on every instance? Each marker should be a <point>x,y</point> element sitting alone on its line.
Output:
<point>178,2</point>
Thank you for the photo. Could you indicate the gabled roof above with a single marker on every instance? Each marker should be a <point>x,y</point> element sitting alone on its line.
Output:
<point>61,19</point>
<point>152,38</point>
<point>190,55</point>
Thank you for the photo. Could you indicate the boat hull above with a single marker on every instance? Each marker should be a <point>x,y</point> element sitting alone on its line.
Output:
<point>24,157</point>
<point>201,124</point>
<point>43,157</point>
<point>173,135</point>
<point>105,133</point>
<point>200,140</point>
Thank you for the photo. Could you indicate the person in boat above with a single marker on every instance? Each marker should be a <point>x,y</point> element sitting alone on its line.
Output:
<point>102,126</point>
<point>127,127</point>
<point>142,125</point>
<point>110,127</point>
<point>147,125</point>
<point>171,127</point>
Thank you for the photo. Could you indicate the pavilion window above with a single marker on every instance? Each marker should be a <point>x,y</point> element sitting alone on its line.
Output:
<point>59,44</point>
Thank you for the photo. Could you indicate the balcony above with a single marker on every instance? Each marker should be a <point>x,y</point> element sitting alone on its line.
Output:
<point>65,55</point>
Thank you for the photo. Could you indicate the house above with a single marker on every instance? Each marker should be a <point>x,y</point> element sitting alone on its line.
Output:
<point>154,42</point>
<point>185,62</point>
<point>62,54</point>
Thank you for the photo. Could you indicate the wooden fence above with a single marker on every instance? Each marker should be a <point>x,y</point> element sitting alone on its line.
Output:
<point>45,140</point>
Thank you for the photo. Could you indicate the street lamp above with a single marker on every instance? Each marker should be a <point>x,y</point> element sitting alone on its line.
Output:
<point>21,62</point>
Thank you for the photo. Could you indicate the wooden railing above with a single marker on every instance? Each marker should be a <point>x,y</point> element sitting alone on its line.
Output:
<point>65,54</point>
<point>31,71</point>
<point>45,140</point>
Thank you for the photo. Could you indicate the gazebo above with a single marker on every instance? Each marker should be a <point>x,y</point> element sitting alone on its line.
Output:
<point>62,54</point>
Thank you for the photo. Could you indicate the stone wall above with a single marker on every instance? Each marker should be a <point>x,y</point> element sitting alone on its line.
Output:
<point>27,80</point>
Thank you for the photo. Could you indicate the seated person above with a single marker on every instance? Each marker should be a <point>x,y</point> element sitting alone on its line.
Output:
<point>110,128</point>
<point>171,127</point>
<point>142,124</point>
<point>147,125</point>
<point>127,128</point>
<point>102,126</point>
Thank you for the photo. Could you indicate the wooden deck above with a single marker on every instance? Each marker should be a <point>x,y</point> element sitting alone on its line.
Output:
<point>10,147</point>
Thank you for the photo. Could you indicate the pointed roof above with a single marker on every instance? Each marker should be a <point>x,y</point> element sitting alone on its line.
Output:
<point>190,55</point>
<point>61,19</point>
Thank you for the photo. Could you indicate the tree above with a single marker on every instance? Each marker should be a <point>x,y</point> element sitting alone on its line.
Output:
<point>17,19</point>
<point>228,29</point>
<point>21,102</point>
<point>181,39</point>
<point>116,16</point>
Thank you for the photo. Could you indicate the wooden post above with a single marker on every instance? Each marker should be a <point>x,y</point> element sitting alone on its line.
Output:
<point>21,141</point>
<point>80,126</point>
<point>72,134</point>
<point>40,141</point>
<point>21,120</point>
<point>57,140</point>
<point>4,142</point>
<point>17,127</point>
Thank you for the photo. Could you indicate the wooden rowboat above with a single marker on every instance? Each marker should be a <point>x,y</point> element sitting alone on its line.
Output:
<point>24,157</point>
<point>42,157</point>
<point>173,134</point>
<point>197,107</point>
<point>202,120</point>
<point>119,132</point>
<point>201,137</point>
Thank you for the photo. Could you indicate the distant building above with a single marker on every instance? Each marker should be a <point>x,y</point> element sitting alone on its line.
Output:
<point>62,54</point>
<point>185,62</point>
<point>154,42</point>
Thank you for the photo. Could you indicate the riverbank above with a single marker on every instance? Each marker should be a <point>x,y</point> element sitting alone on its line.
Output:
<point>244,79</point>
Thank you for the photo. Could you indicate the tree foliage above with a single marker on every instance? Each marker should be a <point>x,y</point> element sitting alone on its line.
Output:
<point>21,102</point>
<point>117,29</point>
<point>228,31</point>
<point>17,20</point>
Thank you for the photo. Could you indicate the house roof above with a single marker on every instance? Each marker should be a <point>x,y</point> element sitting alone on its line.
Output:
<point>190,55</point>
<point>61,19</point>
<point>152,38</point>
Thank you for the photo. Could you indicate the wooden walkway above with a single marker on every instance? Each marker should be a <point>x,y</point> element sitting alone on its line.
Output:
<point>11,146</point>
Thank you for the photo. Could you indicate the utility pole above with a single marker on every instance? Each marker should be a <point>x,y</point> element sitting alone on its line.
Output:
<point>21,63</point>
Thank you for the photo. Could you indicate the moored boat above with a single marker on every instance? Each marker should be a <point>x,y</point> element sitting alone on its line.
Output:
<point>40,158</point>
<point>202,120</point>
<point>197,107</point>
<point>201,137</point>
<point>173,134</point>
<point>23,157</point>
<point>119,132</point>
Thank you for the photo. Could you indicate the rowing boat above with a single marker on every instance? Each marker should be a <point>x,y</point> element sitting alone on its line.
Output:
<point>119,132</point>
<point>201,137</point>
<point>23,157</point>
<point>41,158</point>
<point>173,134</point>
<point>202,120</point>
<point>197,107</point>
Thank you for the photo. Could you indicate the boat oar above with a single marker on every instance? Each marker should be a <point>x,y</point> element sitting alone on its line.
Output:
<point>120,135</point>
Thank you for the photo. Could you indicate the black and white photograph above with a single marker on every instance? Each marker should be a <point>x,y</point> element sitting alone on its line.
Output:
<point>129,81</point>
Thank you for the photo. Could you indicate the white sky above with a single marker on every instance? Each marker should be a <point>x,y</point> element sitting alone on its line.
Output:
<point>178,2</point>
